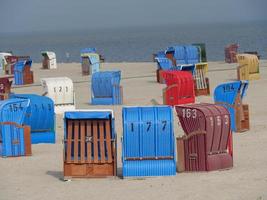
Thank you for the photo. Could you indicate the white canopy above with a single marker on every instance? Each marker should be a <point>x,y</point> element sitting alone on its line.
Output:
<point>50,54</point>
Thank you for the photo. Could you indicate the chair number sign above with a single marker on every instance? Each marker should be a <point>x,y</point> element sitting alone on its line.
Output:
<point>15,107</point>
<point>228,88</point>
<point>60,89</point>
<point>188,113</point>
<point>149,125</point>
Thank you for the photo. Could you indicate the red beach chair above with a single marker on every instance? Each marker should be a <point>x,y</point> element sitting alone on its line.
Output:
<point>207,143</point>
<point>180,88</point>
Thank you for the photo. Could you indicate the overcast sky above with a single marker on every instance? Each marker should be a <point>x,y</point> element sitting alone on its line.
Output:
<point>53,15</point>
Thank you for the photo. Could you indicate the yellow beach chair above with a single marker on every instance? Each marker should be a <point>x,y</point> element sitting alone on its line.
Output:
<point>248,68</point>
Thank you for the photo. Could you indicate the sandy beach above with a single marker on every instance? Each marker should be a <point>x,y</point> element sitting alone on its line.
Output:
<point>40,176</point>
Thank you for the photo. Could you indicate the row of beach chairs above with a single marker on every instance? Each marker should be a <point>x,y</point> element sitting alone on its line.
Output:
<point>148,142</point>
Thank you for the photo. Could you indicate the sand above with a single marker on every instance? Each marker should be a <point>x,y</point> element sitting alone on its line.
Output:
<point>40,176</point>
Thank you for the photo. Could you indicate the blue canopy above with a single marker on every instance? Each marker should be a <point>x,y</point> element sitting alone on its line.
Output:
<point>13,110</point>
<point>88,50</point>
<point>88,115</point>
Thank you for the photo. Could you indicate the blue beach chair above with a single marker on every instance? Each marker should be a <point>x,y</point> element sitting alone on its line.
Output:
<point>106,89</point>
<point>148,142</point>
<point>19,72</point>
<point>89,144</point>
<point>90,61</point>
<point>231,95</point>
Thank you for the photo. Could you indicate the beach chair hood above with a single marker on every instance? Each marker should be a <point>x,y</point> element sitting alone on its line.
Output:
<point>13,110</point>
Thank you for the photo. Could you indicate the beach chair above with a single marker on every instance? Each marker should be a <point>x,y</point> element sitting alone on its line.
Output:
<point>231,96</point>
<point>61,91</point>
<point>230,52</point>
<point>89,144</point>
<point>40,116</point>
<point>5,87</point>
<point>15,137</point>
<point>207,143</point>
<point>248,68</point>
<point>22,72</point>
<point>180,88</point>
<point>148,142</point>
<point>106,88</point>
<point>49,60</point>
<point>90,63</point>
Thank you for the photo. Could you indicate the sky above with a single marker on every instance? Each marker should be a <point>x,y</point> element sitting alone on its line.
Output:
<point>20,16</point>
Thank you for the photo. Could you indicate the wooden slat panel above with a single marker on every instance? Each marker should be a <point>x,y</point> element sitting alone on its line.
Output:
<point>27,140</point>
<point>82,141</point>
<point>102,145</point>
<point>180,154</point>
<point>76,140</point>
<point>95,141</point>
<point>89,143</point>
<point>108,141</point>
<point>69,139</point>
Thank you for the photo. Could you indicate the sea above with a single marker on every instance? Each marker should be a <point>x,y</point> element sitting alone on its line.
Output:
<point>137,44</point>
